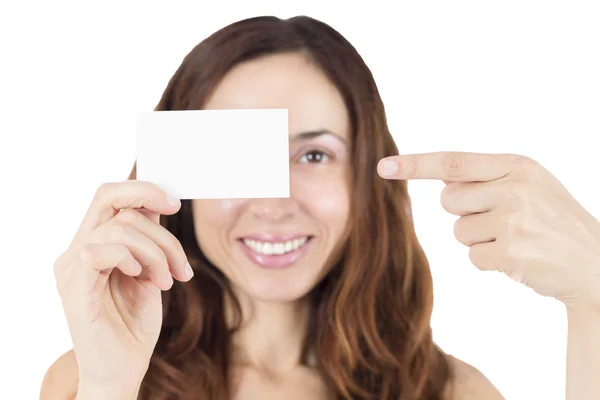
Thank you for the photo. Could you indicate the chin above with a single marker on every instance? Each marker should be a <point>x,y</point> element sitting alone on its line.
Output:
<point>275,278</point>
<point>275,289</point>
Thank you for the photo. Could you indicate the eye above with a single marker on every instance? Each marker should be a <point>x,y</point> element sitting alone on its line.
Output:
<point>314,156</point>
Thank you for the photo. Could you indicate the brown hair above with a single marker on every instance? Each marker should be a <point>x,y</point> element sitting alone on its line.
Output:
<point>370,329</point>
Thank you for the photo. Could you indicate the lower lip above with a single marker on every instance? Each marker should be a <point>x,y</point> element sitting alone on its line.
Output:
<point>275,261</point>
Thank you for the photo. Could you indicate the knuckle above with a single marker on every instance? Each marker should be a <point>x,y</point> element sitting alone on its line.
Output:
<point>150,188</point>
<point>116,232</point>
<point>525,161</point>
<point>513,252</point>
<point>60,264</point>
<point>513,195</point>
<point>518,224</point>
<point>410,168</point>
<point>62,271</point>
<point>86,255</point>
<point>160,259</point>
<point>133,203</point>
<point>143,184</point>
<point>527,165</point>
<point>454,164</point>
<point>527,212</point>
<point>104,189</point>
<point>156,256</point>
<point>170,247</point>
<point>514,225</point>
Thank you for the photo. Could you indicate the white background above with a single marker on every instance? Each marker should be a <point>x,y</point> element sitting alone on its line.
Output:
<point>511,76</point>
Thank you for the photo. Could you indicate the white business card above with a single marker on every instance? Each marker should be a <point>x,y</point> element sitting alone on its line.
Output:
<point>215,154</point>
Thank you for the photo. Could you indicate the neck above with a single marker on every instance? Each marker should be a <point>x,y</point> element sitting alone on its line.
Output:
<point>271,335</point>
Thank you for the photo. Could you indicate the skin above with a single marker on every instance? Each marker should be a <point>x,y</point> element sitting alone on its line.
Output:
<point>517,218</point>
<point>273,301</point>
<point>104,252</point>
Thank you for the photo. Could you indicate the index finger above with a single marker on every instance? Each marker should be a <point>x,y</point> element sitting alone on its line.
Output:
<point>447,166</point>
<point>112,197</point>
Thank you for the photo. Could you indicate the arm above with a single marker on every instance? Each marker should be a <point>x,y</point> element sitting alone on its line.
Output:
<point>98,393</point>
<point>62,382</point>
<point>61,379</point>
<point>583,355</point>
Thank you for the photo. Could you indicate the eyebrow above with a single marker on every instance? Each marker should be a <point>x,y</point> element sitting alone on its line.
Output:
<point>315,134</point>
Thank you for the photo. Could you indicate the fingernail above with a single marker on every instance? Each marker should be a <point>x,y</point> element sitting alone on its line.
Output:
<point>138,266</point>
<point>388,168</point>
<point>173,201</point>
<point>189,272</point>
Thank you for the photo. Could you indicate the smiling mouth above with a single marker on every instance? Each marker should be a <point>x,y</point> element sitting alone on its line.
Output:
<point>276,248</point>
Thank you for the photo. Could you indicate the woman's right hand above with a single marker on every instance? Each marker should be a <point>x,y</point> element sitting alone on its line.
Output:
<point>110,281</point>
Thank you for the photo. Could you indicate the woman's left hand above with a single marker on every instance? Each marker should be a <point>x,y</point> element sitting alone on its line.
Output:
<point>516,218</point>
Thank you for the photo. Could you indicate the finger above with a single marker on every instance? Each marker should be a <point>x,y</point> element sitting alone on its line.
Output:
<point>102,259</point>
<point>93,259</point>
<point>485,256</point>
<point>153,216</point>
<point>88,263</point>
<point>112,197</point>
<point>146,252</point>
<point>448,166</point>
<point>492,256</point>
<point>464,198</point>
<point>168,243</point>
<point>476,228</point>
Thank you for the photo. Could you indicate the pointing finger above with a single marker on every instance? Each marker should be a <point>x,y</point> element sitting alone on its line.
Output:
<point>448,166</point>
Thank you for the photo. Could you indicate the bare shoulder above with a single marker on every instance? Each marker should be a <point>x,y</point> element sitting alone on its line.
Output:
<point>62,379</point>
<point>470,384</point>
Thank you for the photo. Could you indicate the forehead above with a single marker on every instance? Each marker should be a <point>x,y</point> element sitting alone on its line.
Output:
<point>288,81</point>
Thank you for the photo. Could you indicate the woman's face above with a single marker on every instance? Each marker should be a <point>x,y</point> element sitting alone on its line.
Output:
<point>276,249</point>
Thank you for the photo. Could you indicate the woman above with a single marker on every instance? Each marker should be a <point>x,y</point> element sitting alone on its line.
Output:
<point>323,295</point>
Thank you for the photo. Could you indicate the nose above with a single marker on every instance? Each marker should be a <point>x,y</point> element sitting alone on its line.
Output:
<point>275,210</point>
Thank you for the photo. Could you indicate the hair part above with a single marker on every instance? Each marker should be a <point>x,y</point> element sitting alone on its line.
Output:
<point>370,327</point>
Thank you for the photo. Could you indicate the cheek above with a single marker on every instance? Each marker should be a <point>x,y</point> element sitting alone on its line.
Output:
<point>325,197</point>
<point>215,215</point>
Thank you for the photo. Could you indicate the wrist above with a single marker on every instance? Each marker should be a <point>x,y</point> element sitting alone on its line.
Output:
<point>89,391</point>
<point>587,310</point>
<point>583,321</point>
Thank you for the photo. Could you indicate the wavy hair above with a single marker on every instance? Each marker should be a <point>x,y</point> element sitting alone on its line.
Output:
<point>370,324</point>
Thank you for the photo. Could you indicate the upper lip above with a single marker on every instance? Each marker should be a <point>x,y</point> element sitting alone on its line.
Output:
<point>273,238</point>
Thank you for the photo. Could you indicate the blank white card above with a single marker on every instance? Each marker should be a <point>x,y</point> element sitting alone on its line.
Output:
<point>215,154</point>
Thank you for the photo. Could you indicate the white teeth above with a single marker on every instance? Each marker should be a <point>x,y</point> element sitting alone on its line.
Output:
<point>278,248</point>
